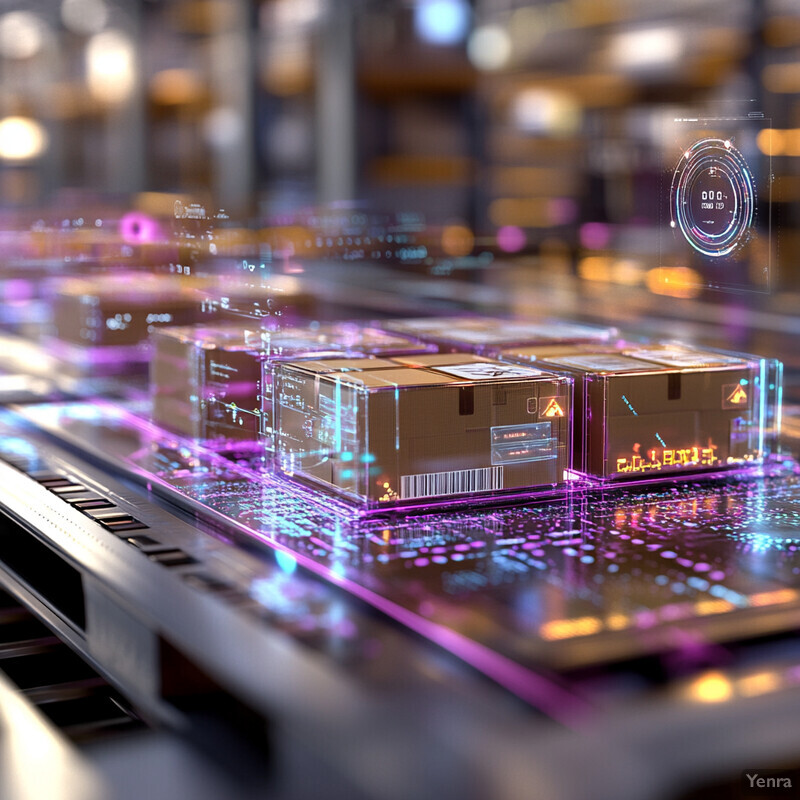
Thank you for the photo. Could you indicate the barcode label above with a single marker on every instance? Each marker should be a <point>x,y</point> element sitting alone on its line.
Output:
<point>459,481</point>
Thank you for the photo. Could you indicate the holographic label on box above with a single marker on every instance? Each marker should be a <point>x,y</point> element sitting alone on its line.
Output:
<point>513,434</point>
<point>515,444</point>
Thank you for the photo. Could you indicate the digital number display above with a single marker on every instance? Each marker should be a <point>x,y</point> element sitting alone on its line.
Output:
<point>713,198</point>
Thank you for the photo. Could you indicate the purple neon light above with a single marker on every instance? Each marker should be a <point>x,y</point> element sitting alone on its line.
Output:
<point>595,235</point>
<point>138,228</point>
<point>511,239</point>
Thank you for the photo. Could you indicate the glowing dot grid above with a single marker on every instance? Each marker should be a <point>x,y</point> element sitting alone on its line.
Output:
<point>479,583</point>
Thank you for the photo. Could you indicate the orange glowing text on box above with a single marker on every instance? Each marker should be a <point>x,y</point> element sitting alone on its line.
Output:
<point>669,457</point>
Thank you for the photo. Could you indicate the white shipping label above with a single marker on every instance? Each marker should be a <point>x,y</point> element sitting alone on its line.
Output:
<point>487,371</point>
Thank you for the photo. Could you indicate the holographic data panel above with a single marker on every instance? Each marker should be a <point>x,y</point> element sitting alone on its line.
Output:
<point>716,224</point>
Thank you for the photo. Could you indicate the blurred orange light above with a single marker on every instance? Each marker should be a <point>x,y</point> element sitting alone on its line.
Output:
<point>705,608</point>
<point>713,687</point>
<point>617,622</point>
<point>287,65</point>
<point>674,281</point>
<point>569,628</point>
<point>773,598</point>
<point>777,142</point>
<point>760,683</point>
<point>176,87</point>
<point>595,268</point>
<point>457,240</point>
<point>782,78</point>
<point>770,142</point>
<point>791,140</point>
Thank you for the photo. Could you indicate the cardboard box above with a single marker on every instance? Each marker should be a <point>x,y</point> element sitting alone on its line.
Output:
<point>490,335</point>
<point>649,410</point>
<point>214,382</point>
<point>121,309</point>
<point>416,430</point>
<point>101,324</point>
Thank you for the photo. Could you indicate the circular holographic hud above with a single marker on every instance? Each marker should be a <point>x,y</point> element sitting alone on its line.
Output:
<point>713,198</point>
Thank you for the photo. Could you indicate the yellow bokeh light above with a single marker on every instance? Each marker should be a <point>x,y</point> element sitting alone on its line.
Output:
<point>770,142</point>
<point>682,282</point>
<point>705,608</point>
<point>713,687</point>
<point>569,628</point>
<point>777,142</point>
<point>772,598</point>
<point>760,683</point>
<point>21,139</point>
<point>616,622</point>
<point>111,66</point>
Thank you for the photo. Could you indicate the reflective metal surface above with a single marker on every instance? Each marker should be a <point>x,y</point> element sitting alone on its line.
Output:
<point>592,578</point>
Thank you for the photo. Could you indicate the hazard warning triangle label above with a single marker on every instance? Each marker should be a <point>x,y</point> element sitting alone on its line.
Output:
<point>553,409</point>
<point>737,397</point>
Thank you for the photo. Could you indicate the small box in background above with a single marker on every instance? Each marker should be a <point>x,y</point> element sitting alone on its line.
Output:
<point>644,411</point>
<point>421,430</point>
<point>489,335</point>
<point>101,324</point>
<point>214,382</point>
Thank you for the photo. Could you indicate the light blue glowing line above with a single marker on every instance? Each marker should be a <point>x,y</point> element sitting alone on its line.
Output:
<point>396,417</point>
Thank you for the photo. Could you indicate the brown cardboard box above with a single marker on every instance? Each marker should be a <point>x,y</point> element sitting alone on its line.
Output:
<point>214,382</point>
<point>659,409</point>
<point>489,335</point>
<point>121,309</point>
<point>205,381</point>
<point>388,433</point>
